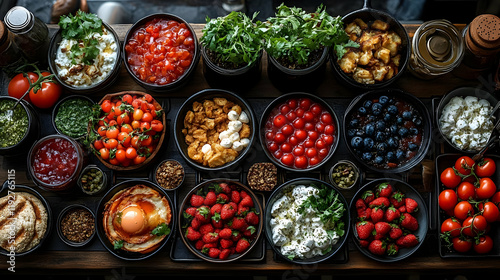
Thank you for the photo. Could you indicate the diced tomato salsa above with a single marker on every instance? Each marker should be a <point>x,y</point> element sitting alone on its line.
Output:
<point>55,161</point>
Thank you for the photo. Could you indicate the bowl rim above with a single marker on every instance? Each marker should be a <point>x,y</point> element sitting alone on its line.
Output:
<point>50,218</point>
<point>104,181</point>
<point>342,240</point>
<point>160,164</point>
<point>104,83</point>
<point>422,209</point>
<point>182,79</point>
<point>231,96</point>
<point>31,120</point>
<point>59,230</point>
<point>356,171</point>
<point>121,254</point>
<point>55,110</point>
<point>275,102</point>
<point>205,184</point>
<point>300,72</point>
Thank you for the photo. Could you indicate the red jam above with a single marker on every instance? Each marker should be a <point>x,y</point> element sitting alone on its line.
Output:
<point>300,133</point>
<point>55,161</point>
<point>160,51</point>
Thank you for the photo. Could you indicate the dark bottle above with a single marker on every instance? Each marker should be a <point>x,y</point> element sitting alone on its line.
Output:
<point>31,34</point>
<point>10,55</point>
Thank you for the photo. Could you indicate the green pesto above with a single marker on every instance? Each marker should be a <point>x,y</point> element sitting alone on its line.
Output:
<point>13,127</point>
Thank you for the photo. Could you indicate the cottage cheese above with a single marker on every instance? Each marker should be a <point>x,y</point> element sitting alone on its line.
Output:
<point>81,75</point>
<point>302,235</point>
<point>466,122</point>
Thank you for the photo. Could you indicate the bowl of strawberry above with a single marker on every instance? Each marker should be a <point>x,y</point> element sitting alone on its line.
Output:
<point>220,220</point>
<point>299,131</point>
<point>390,220</point>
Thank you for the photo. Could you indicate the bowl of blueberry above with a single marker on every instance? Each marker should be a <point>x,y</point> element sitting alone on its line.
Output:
<point>387,130</point>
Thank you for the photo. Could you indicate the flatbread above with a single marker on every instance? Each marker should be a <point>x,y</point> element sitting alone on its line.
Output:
<point>41,219</point>
<point>17,223</point>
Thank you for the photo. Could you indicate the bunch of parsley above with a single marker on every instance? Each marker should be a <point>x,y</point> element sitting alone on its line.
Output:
<point>82,27</point>
<point>235,38</point>
<point>294,34</point>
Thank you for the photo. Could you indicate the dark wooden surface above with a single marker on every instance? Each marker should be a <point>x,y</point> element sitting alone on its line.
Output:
<point>97,262</point>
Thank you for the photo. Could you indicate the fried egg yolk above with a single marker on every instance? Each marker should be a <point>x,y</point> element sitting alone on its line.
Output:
<point>132,219</point>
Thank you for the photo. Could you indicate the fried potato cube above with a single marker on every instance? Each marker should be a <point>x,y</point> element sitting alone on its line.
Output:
<point>188,119</point>
<point>372,43</point>
<point>237,109</point>
<point>365,58</point>
<point>363,76</point>
<point>379,73</point>
<point>384,55</point>
<point>396,60</point>
<point>245,131</point>
<point>380,25</point>
<point>392,42</point>
<point>349,61</point>
<point>361,23</point>
<point>200,135</point>
<point>220,101</point>
<point>353,28</point>
<point>390,72</point>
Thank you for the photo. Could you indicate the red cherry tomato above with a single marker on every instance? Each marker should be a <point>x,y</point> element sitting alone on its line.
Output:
<point>19,85</point>
<point>490,212</point>
<point>484,246</point>
<point>299,123</point>
<point>316,109</point>
<point>305,103</point>
<point>298,151</point>
<point>466,191</point>
<point>447,200</point>
<point>462,244</point>
<point>485,168</point>
<point>487,188</point>
<point>301,162</point>
<point>326,118</point>
<point>452,226</point>
<point>279,138</point>
<point>463,209</point>
<point>287,159</point>
<point>284,109</point>
<point>279,121</point>
<point>449,178</point>
<point>464,165</point>
<point>48,95</point>
<point>287,129</point>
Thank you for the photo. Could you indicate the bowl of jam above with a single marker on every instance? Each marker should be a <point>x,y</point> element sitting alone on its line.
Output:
<point>387,130</point>
<point>55,162</point>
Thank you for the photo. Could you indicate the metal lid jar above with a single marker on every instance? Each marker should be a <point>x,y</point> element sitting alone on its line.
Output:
<point>437,48</point>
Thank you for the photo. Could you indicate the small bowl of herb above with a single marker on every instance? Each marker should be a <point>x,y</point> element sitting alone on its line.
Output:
<point>76,225</point>
<point>72,114</point>
<point>344,175</point>
<point>92,180</point>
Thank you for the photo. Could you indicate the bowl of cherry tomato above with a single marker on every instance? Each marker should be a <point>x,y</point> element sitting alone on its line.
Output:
<point>129,130</point>
<point>299,131</point>
<point>161,52</point>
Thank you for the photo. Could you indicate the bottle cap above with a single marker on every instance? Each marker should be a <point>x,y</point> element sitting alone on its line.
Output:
<point>439,47</point>
<point>484,34</point>
<point>18,19</point>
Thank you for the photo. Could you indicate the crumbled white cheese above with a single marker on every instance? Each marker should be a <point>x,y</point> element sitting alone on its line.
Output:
<point>230,138</point>
<point>232,115</point>
<point>206,148</point>
<point>244,118</point>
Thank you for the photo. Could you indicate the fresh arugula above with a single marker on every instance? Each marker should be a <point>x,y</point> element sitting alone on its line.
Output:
<point>293,34</point>
<point>118,244</point>
<point>82,27</point>
<point>161,229</point>
<point>235,38</point>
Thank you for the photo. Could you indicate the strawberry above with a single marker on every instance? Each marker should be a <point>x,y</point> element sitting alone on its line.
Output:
<point>223,188</point>
<point>196,224</point>
<point>380,202</point>
<point>252,219</point>
<point>192,234</point>
<point>409,222</point>
<point>402,209</point>
<point>397,199</point>
<point>216,209</point>
<point>242,210</point>
<point>226,233</point>
<point>236,236</point>
<point>235,197</point>
<point>360,204</point>
<point>210,199</point>
<point>395,232</point>
<point>392,249</point>
<point>242,245</point>
<point>364,243</point>
<point>249,231</point>
<point>199,244</point>
<point>206,228</point>
<point>364,229</point>
<point>407,241</point>
<point>243,194</point>
<point>377,215</point>
<point>211,237</point>
<point>226,243</point>
<point>190,212</point>
<point>224,254</point>
<point>196,200</point>
<point>383,190</point>
<point>391,214</point>
<point>377,247</point>
<point>227,212</point>
<point>246,201</point>
<point>222,198</point>
<point>365,214</point>
<point>381,230</point>
<point>217,221</point>
<point>203,214</point>
<point>238,223</point>
<point>368,196</point>
<point>411,205</point>
<point>213,253</point>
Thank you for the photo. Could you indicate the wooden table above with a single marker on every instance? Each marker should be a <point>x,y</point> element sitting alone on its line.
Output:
<point>102,262</point>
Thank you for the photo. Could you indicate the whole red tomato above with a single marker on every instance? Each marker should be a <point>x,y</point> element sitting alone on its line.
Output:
<point>464,165</point>
<point>466,191</point>
<point>449,178</point>
<point>490,212</point>
<point>447,199</point>
<point>452,226</point>
<point>487,188</point>
<point>485,168</point>
<point>484,245</point>
<point>48,95</point>
<point>20,84</point>
<point>463,209</point>
<point>461,245</point>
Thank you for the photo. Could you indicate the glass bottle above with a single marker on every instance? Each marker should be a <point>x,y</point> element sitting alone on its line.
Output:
<point>10,55</point>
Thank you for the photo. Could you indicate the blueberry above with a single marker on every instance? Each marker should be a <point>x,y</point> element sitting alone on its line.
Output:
<point>357,142</point>
<point>354,123</point>
<point>370,129</point>
<point>390,156</point>
<point>352,132</point>
<point>400,154</point>
<point>368,143</point>
<point>380,125</point>
<point>383,100</point>
<point>367,156</point>
<point>387,117</point>
<point>393,129</point>
<point>367,104</point>
<point>392,142</point>
<point>399,120</point>
<point>407,115</point>
<point>360,132</point>
<point>413,131</point>
<point>381,148</point>
<point>403,132</point>
<point>392,109</point>
<point>377,109</point>
<point>378,160</point>
<point>380,136</point>
<point>417,121</point>
<point>372,118</point>
<point>412,146</point>
<point>362,111</point>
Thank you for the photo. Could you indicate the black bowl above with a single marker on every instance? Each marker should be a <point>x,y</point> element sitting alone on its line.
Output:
<point>59,230</point>
<point>463,92</point>
<point>7,189</point>
<point>416,103</point>
<point>278,192</point>
<point>56,110</point>
<point>278,101</point>
<point>125,255</point>
<point>421,215</point>
<point>200,97</point>
<point>181,81</point>
<point>105,83</point>
<point>368,14</point>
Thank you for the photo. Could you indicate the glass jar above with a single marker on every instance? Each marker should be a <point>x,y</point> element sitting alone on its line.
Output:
<point>31,34</point>
<point>10,55</point>
<point>437,49</point>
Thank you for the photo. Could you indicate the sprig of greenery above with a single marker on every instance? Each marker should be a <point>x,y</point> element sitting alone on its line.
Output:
<point>235,38</point>
<point>161,229</point>
<point>82,27</point>
<point>294,34</point>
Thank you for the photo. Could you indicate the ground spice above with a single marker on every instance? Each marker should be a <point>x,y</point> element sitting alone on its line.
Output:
<point>77,225</point>
<point>262,176</point>
<point>170,174</point>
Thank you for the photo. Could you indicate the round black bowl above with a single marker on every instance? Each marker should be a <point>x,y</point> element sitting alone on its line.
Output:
<point>278,101</point>
<point>417,104</point>
<point>59,230</point>
<point>125,255</point>
<point>32,132</point>
<point>5,189</point>
<point>200,97</point>
<point>421,215</point>
<point>56,110</point>
<point>105,83</point>
<point>181,81</point>
<point>368,14</point>
<point>278,192</point>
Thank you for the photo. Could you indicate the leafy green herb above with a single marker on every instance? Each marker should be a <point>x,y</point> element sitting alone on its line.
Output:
<point>291,257</point>
<point>235,38</point>
<point>161,229</point>
<point>82,27</point>
<point>294,34</point>
<point>118,244</point>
